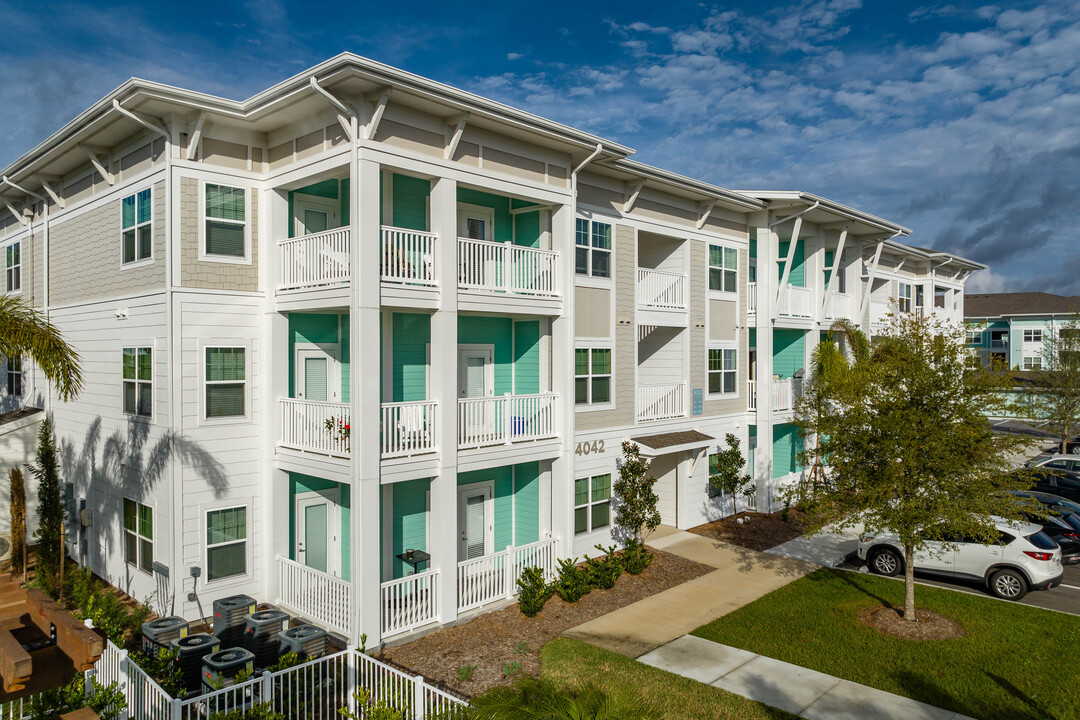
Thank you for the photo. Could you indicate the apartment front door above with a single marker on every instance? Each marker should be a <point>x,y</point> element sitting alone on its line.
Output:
<point>317,374</point>
<point>475,371</point>
<point>317,528</point>
<point>475,521</point>
<point>314,214</point>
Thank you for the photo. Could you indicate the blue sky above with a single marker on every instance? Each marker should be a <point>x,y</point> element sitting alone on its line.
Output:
<point>956,119</point>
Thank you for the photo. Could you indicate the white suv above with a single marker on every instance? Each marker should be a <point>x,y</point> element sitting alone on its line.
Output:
<point>1024,559</point>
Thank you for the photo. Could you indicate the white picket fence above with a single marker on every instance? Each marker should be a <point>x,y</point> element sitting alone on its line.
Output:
<point>408,256</point>
<point>408,428</point>
<point>315,260</point>
<point>505,267</point>
<point>409,602</point>
<point>315,595</point>
<point>657,401</point>
<point>661,289</point>
<point>303,426</point>
<point>506,419</point>
<point>494,577</point>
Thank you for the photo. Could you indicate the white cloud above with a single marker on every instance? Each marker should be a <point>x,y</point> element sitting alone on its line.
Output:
<point>514,56</point>
<point>986,281</point>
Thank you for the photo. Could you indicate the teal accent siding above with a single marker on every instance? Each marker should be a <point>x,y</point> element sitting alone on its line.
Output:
<point>319,328</point>
<point>409,523</point>
<point>412,333</point>
<point>345,201</point>
<point>526,226</point>
<point>504,230</point>
<point>480,330</point>
<point>332,189</point>
<point>410,202</point>
<point>752,338</point>
<point>527,357</point>
<point>788,351</point>
<point>798,264</point>
<point>345,358</point>
<point>829,256</point>
<point>299,483</point>
<point>753,243</point>
<point>787,444</point>
<point>526,503</point>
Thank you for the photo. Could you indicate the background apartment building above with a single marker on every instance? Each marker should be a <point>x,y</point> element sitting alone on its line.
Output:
<point>366,345</point>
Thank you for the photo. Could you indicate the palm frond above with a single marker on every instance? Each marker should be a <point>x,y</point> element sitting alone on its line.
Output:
<point>26,332</point>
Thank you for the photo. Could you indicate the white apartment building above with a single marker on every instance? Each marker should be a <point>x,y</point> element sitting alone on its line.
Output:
<point>517,297</point>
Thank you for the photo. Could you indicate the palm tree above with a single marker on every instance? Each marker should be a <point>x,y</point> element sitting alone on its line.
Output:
<point>540,699</point>
<point>25,332</point>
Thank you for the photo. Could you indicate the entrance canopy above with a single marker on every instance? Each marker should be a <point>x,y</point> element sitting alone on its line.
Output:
<point>672,442</point>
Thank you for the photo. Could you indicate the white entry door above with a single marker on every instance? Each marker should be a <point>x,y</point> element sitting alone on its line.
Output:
<point>317,374</point>
<point>475,372</point>
<point>318,525</point>
<point>475,521</point>
<point>314,214</point>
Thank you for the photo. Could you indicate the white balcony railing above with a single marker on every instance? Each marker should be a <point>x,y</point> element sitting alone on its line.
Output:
<point>751,297</point>
<point>409,602</point>
<point>797,302</point>
<point>657,401</point>
<point>314,595</point>
<point>408,428</point>
<point>505,267</point>
<point>506,419</point>
<point>494,577</point>
<point>751,395</point>
<point>322,427</point>
<point>661,289</point>
<point>839,306</point>
<point>408,256</point>
<point>315,260</point>
<point>782,395</point>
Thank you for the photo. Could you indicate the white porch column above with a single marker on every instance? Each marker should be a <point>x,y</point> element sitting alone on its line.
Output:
<point>364,394</point>
<point>562,382</point>
<point>443,369</point>
<point>768,281</point>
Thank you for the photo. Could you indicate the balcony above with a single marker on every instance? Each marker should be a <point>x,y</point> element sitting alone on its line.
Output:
<point>659,401</point>
<point>661,290</point>
<point>797,302</point>
<point>486,421</point>
<point>324,428</point>
<point>507,268</point>
<point>751,297</point>
<point>316,595</point>
<point>784,393</point>
<point>839,307</point>
<point>493,577</point>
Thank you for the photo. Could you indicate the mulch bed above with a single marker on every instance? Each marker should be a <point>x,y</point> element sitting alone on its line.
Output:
<point>495,641</point>
<point>930,625</point>
<point>759,531</point>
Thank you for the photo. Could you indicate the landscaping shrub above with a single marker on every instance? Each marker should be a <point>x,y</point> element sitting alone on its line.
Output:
<point>604,570</point>
<point>162,667</point>
<point>107,702</point>
<point>259,711</point>
<point>572,582</point>
<point>534,591</point>
<point>50,511</point>
<point>90,599</point>
<point>636,557</point>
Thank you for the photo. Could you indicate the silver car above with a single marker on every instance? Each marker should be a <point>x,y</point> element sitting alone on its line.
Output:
<point>1023,559</point>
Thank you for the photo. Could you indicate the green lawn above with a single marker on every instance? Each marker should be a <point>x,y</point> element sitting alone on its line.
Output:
<point>1015,661</point>
<point>569,662</point>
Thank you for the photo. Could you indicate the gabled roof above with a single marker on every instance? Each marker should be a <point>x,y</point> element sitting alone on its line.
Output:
<point>987,305</point>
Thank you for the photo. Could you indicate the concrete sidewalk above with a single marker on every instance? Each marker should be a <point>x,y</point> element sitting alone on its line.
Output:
<point>740,577</point>
<point>804,692</point>
<point>826,548</point>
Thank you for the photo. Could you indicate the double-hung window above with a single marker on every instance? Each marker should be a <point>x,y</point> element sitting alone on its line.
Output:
<point>12,268</point>
<point>903,300</point>
<point>714,467</point>
<point>226,385</point>
<point>138,535</point>
<point>592,376</point>
<point>723,268</point>
<point>136,226</point>
<point>14,375</point>
<point>592,503</point>
<point>226,543</point>
<point>974,337</point>
<point>723,368</point>
<point>226,221</point>
<point>1033,336</point>
<point>1033,362</point>
<point>138,381</point>
<point>593,252</point>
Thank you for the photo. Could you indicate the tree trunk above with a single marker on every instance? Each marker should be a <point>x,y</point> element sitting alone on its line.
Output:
<point>909,583</point>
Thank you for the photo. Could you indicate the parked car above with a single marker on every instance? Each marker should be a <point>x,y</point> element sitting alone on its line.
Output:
<point>1023,559</point>
<point>1052,480</point>
<point>1062,526</point>
<point>1054,502</point>
<point>1070,463</point>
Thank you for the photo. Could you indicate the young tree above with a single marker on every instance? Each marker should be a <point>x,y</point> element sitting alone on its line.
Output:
<point>1055,387</point>
<point>907,445</point>
<point>26,332</point>
<point>727,475</point>
<point>18,520</point>
<point>50,510</point>
<point>636,514</point>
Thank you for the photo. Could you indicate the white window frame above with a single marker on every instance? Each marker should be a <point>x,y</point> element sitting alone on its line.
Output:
<point>138,261</point>
<point>203,255</point>
<point>723,268</point>
<point>1032,362</point>
<point>904,297</point>
<point>478,212</point>
<point>590,405</point>
<point>591,503</point>
<point>1033,335</point>
<point>249,571</point>
<point>974,337</point>
<point>730,347</point>
<point>225,344</point>
<point>137,380</point>
<point>607,279</point>
<point>15,377</point>
<point>139,537</point>
<point>16,267</point>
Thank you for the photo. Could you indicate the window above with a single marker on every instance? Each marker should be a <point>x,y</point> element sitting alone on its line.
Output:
<point>723,268</point>
<point>714,462</point>
<point>14,375</point>
<point>592,376</point>
<point>1033,336</point>
<point>138,381</point>
<point>592,503</point>
<point>138,535</point>
<point>226,543</point>
<point>1033,362</point>
<point>226,226</point>
<point>722,367</point>
<point>13,267</point>
<point>593,255</point>
<point>136,226</point>
<point>903,300</point>
<point>974,337</point>
<point>225,382</point>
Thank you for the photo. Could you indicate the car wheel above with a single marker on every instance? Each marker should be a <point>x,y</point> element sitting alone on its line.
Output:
<point>886,562</point>
<point>1008,584</point>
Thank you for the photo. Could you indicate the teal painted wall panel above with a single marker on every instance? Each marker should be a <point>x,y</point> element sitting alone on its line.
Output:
<point>319,328</point>
<point>299,483</point>
<point>752,339</point>
<point>787,444</point>
<point>410,202</point>
<point>527,357</point>
<point>412,333</point>
<point>409,524</point>
<point>475,329</point>
<point>788,349</point>
<point>753,243</point>
<point>331,189</point>
<point>504,229</point>
<point>798,264</point>
<point>526,503</point>
<point>526,227</point>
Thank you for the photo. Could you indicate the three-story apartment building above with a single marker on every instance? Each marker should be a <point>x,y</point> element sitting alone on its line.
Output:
<point>366,345</point>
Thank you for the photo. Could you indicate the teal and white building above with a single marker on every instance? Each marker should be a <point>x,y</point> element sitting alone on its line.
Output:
<point>364,345</point>
<point>1013,326</point>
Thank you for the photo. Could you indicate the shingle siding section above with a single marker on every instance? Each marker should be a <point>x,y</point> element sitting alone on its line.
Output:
<point>207,274</point>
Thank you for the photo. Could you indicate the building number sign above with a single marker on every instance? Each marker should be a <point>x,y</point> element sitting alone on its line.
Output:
<point>589,448</point>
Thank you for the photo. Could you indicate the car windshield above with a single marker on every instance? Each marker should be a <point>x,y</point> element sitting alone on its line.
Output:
<point>1042,541</point>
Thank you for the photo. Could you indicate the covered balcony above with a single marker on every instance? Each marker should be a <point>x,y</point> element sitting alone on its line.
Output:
<point>839,306</point>
<point>660,392</point>
<point>663,288</point>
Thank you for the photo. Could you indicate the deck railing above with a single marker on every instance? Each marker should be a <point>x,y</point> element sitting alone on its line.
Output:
<point>839,306</point>
<point>661,289</point>
<point>304,426</point>
<point>751,395</point>
<point>506,419</point>
<point>408,428</point>
<point>751,297</point>
<point>408,256</point>
<point>657,401</point>
<point>316,595</point>
<point>782,395</point>
<point>797,302</point>
<point>494,577</point>
<point>409,602</point>
<point>505,267</point>
<point>315,260</point>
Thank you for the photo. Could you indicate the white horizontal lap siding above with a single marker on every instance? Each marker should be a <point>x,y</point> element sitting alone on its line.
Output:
<point>94,436</point>
<point>220,467</point>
